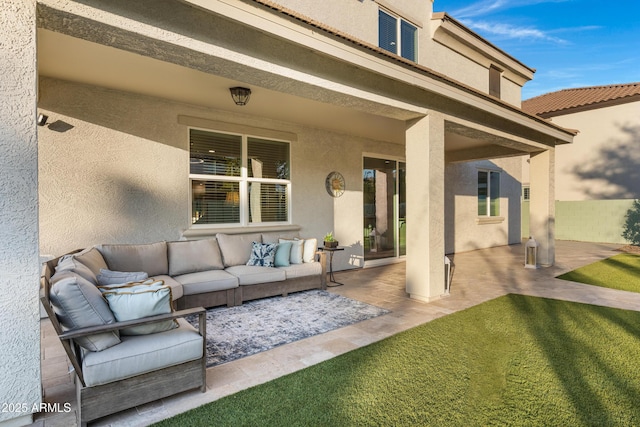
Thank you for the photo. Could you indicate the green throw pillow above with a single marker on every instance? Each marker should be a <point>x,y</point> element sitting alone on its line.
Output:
<point>283,252</point>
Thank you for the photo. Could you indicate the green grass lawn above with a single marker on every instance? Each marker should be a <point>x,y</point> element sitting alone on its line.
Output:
<point>618,272</point>
<point>515,360</point>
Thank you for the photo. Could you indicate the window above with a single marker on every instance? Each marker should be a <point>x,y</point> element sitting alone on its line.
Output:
<point>495,74</point>
<point>397,35</point>
<point>526,193</point>
<point>488,193</point>
<point>238,179</point>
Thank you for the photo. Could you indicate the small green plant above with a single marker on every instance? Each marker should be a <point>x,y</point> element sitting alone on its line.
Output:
<point>631,228</point>
<point>329,237</point>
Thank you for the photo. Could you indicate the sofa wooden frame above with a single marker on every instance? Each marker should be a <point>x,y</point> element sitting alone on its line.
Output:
<point>102,400</point>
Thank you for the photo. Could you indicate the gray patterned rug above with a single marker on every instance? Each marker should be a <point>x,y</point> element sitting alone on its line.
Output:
<point>256,326</point>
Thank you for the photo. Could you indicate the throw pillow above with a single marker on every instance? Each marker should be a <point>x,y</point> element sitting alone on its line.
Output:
<point>310,247</point>
<point>263,254</point>
<point>79,304</point>
<point>71,263</point>
<point>109,277</point>
<point>283,252</point>
<point>296,250</point>
<point>138,300</point>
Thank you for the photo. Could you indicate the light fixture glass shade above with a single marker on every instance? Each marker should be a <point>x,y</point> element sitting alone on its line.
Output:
<point>240,95</point>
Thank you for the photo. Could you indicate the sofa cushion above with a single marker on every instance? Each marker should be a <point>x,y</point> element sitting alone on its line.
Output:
<point>92,258</point>
<point>78,304</point>
<point>176,287</point>
<point>70,263</point>
<point>310,247</point>
<point>297,250</point>
<point>283,252</point>
<point>150,258</point>
<point>143,353</point>
<point>252,275</point>
<point>138,300</point>
<point>193,256</point>
<point>302,270</point>
<point>207,281</point>
<point>236,248</point>
<point>263,254</point>
<point>109,277</point>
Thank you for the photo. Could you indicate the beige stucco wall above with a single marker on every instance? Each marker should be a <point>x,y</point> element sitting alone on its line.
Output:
<point>461,63</point>
<point>604,160</point>
<point>360,18</point>
<point>462,231</point>
<point>19,263</point>
<point>121,173</point>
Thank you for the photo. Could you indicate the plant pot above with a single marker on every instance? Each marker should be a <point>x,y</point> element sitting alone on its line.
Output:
<point>333,244</point>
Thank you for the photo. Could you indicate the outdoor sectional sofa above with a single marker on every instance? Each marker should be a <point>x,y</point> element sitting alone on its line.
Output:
<point>123,360</point>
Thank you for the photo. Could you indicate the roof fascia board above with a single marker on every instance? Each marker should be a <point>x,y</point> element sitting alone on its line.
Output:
<point>474,41</point>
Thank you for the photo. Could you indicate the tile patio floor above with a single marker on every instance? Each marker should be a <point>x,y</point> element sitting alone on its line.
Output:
<point>478,276</point>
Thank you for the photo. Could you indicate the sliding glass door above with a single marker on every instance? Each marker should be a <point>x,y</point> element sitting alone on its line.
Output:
<point>384,208</point>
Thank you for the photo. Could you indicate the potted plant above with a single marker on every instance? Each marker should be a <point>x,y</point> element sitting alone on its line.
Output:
<point>330,241</point>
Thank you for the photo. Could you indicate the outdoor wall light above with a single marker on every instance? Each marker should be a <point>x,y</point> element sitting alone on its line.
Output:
<point>42,119</point>
<point>240,95</point>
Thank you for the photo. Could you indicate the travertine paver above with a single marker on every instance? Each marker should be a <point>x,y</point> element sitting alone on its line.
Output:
<point>478,277</point>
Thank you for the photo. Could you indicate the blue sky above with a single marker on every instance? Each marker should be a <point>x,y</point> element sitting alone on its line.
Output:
<point>570,43</point>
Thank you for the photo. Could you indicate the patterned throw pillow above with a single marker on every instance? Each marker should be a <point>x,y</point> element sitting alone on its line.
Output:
<point>263,254</point>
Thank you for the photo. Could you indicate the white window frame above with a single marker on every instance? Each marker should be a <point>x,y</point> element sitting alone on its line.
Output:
<point>487,218</point>
<point>244,181</point>
<point>399,21</point>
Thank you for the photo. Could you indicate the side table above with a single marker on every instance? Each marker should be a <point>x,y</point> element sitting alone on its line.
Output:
<point>331,252</point>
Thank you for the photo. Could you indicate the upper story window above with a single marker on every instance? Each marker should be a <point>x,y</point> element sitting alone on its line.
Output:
<point>397,35</point>
<point>488,193</point>
<point>495,74</point>
<point>238,179</point>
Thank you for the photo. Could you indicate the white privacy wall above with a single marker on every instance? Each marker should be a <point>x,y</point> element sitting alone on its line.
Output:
<point>19,268</point>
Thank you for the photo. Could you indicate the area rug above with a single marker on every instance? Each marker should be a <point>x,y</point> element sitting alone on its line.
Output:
<point>256,326</point>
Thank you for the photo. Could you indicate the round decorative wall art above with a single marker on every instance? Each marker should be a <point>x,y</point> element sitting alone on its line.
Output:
<point>334,184</point>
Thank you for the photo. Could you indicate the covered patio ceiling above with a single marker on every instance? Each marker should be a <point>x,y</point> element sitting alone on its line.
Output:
<point>336,95</point>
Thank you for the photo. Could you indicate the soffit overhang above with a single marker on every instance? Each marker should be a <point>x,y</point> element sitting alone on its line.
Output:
<point>250,43</point>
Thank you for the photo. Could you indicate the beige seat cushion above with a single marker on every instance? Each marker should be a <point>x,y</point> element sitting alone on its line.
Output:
<point>207,281</point>
<point>302,270</point>
<point>137,355</point>
<point>253,275</point>
<point>176,287</point>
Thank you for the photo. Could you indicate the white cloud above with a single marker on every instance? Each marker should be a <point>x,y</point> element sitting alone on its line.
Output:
<point>512,32</point>
<point>484,7</point>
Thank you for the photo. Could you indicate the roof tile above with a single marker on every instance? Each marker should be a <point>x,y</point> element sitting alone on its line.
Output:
<point>554,102</point>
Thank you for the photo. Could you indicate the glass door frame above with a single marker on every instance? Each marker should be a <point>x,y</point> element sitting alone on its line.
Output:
<point>397,257</point>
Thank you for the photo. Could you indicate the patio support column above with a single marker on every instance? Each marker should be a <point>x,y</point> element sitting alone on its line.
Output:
<point>19,260</point>
<point>542,211</point>
<point>425,207</point>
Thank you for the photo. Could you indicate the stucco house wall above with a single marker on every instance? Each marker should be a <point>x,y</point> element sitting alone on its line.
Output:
<point>20,389</point>
<point>464,231</point>
<point>120,174</point>
<point>604,160</point>
<point>356,17</point>
<point>598,176</point>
